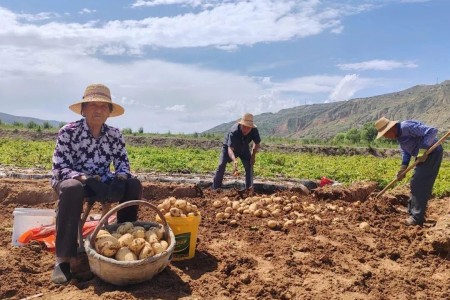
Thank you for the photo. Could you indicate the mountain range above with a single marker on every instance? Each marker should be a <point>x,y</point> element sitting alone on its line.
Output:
<point>10,119</point>
<point>427,103</point>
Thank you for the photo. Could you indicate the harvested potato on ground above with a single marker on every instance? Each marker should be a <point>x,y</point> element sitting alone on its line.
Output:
<point>273,224</point>
<point>125,254</point>
<point>126,240</point>
<point>124,228</point>
<point>107,245</point>
<point>137,245</point>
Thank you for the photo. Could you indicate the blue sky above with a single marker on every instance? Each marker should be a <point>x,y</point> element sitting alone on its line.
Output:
<point>189,65</point>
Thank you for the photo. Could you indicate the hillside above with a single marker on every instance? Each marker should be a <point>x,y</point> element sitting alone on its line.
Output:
<point>10,119</point>
<point>428,103</point>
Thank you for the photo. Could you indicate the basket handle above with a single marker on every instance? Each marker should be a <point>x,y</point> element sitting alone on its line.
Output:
<point>104,219</point>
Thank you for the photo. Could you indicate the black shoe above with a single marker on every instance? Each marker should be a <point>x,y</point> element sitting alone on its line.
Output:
<point>61,273</point>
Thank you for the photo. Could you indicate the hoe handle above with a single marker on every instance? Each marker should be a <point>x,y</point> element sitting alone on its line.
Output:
<point>441,140</point>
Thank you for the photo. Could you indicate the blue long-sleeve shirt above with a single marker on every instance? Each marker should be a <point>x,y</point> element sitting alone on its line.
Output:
<point>413,136</point>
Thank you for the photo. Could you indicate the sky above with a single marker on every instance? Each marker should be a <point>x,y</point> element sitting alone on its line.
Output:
<point>185,66</point>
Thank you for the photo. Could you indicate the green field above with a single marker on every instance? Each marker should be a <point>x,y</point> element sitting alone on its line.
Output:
<point>270,165</point>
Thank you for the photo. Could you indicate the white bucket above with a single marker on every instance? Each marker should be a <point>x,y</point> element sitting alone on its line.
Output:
<point>28,218</point>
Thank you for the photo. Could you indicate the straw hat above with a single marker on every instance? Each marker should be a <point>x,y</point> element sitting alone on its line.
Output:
<point>97,93</point>
<point>247,120</point>
<point>383,125</point>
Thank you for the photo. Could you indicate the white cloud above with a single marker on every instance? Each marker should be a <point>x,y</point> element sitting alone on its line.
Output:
<point>37,17</point>
<point>87,11</point>
<point>345,89</point>
<point>177,108</point>
<point>378,64</point>
<point>141,3</point>
<point>227,25</point>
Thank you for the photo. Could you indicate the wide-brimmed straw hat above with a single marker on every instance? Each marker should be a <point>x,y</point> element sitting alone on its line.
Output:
<point>247,120</point>
<point>98,93</point>
<point>383,125</point>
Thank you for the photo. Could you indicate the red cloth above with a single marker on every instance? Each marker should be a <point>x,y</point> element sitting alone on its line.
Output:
<point>325,181</point>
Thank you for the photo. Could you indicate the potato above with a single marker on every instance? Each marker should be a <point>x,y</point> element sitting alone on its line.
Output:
<point>172,200</point>
<point>107,245</point>
<point>138,232</point>
<point>146,251</point>
<point>102,232</point>
<point>116,235</point>
<point>166,204</point>
<point>157,248</point>
<point>159,232</point>
<point>175,212</point>
<point>125,254</point>
<point>273,224</point>
<point>126,240</point>
<point>164,244</point>
<point>124,228</point>
<point>137,245</point>
<point>151,236</point>
<point>180,204</point>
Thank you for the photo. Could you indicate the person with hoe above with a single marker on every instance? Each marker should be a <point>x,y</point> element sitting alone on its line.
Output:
<point>412,136</point>
<point>236,144</point>
<point>81,160</point>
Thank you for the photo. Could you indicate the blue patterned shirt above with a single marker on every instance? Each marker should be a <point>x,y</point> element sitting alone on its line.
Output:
<point>413,136</point>
<point>78,153</point>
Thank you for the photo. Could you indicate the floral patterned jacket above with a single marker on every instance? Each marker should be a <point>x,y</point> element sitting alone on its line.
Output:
<point>77,153</point>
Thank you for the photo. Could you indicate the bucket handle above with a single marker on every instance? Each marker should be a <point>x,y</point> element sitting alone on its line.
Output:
<point>104,219</point>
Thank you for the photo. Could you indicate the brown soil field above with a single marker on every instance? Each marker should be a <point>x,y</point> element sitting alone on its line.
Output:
<point>326,256</point>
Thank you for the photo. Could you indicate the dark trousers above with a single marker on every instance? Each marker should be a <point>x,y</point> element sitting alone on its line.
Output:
<point>422,185</point>
<point>220,171</point>
<point>71,193</point>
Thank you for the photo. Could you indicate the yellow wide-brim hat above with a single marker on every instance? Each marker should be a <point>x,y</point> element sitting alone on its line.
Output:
<point>247,120</point>
<point>383,125</point>
<point>97,93</point>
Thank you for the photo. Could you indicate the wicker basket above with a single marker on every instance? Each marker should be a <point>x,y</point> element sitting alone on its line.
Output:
<point>129,272</point>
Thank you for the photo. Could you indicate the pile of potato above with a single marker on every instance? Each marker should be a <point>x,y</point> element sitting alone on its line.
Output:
<point>173,207</point>
<point>283,212</point>
<point>129,242</point>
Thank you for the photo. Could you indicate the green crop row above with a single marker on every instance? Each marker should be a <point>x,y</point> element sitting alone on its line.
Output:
<point>270,165</point>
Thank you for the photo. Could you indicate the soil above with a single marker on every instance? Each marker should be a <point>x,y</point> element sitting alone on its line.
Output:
<point>328,256</point>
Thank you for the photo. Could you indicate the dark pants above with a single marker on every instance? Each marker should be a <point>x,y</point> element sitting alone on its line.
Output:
<point>71,195</point>
<point>224,159</point>
<point>422,185</point>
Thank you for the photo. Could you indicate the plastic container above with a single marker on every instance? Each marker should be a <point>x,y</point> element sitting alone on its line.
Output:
<point>128,272</point>
<point>186,231</point>
<point>28,218</point>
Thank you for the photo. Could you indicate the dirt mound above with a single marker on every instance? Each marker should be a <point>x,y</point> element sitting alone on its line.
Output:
<point>326,256</point>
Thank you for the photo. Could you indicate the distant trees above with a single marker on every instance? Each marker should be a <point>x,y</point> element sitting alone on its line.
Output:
<point>365,134</point>
<point>127,131</point>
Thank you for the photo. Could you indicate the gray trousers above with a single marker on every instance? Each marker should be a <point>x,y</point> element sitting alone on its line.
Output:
<point>422,185</point>
<point>71,194</point>
<point>223,160</point>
